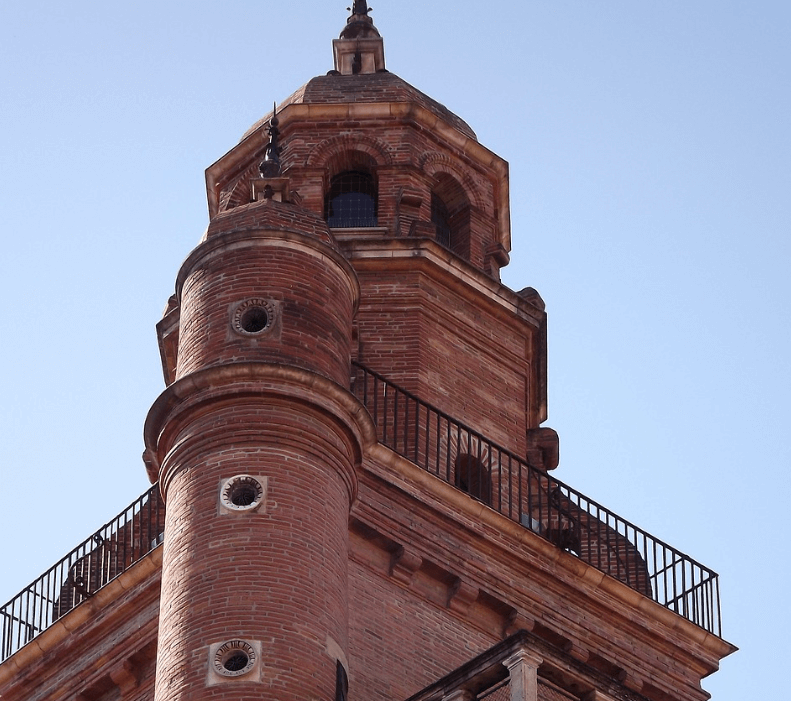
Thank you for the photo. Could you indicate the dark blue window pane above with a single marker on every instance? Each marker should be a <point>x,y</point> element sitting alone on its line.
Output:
<point>351,201</point>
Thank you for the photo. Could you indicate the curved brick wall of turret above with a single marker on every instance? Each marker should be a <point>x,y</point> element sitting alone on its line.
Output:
<point>245,402</point>
<point>277,576</point>
<point>285,258</point>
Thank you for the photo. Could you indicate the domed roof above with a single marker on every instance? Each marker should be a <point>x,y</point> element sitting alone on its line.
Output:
<point>372,87</point>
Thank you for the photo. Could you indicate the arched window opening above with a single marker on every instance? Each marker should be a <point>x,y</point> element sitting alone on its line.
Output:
<point>450,215</point>
<point>472,476</point>
<point>440,218</point>
<point>351,200</point>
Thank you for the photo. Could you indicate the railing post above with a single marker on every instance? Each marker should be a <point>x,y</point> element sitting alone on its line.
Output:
<point>523,670</point>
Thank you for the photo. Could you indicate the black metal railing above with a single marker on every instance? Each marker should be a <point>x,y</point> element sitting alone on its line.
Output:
<point>506,482</point>
<point>443,447</point>
<point>109,552</point>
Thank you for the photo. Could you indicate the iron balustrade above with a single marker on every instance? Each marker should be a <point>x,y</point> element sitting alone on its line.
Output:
<point>507,483</point>
<point>450,451</point>
<point>98,560</point>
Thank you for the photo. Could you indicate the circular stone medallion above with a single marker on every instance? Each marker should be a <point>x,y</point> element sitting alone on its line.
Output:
<point>234,658</point>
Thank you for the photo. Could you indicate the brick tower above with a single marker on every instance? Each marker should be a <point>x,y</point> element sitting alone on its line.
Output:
<point>349,454</point>
<point>256,449</point>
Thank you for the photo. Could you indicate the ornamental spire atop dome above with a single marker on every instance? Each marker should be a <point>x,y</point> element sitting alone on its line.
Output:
<point>360,7</point>
<point>360,48</point>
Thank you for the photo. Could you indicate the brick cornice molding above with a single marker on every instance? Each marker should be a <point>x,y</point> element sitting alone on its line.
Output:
<point>424,253</point>
<point>213,385</point>
<point>699,648</point>
<point>461,596</point>
<point>274,237</point>
<point>219,174</point>
<point>403,565</point>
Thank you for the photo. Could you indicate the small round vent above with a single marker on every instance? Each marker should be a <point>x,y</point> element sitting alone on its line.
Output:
<point>242,493</point>
<point>234,658</point>
<point>253,317</point>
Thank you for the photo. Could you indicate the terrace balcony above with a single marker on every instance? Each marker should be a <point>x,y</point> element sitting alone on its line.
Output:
<point>451,452</point>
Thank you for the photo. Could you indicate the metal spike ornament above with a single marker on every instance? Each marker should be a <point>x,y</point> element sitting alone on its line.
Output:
<point>270,166</point>
<point>360,7</point>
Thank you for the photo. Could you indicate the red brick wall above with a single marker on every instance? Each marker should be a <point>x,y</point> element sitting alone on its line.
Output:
<point>402,157</point>
<point>448,351</point>
<point>277,575</point>
<point>400,643</point>
<point>389,326</point>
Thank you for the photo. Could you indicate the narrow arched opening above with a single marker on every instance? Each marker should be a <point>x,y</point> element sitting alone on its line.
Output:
<point>473,477</point>
<point>440,218</point>
<point>450,215</point>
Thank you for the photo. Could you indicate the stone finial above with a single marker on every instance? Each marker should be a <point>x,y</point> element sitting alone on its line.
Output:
<point>359,50</point>
<point>359,25</point>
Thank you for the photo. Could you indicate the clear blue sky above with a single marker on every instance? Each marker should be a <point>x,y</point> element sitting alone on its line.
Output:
<point>649,146</point>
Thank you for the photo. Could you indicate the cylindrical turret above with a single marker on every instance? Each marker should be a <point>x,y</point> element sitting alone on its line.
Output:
<point>256,446</point>
<point>267,284</point>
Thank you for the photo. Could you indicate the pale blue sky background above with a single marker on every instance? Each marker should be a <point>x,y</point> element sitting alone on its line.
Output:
<point>649,147</point>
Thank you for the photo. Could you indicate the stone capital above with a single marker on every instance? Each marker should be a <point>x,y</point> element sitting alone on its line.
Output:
<point>523,658</point>
<point>523,670</point>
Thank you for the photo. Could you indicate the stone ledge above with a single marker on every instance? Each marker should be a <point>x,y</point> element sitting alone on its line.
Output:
<point>88,610</point>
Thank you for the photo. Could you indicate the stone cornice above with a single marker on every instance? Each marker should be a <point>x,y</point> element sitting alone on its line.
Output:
<point>218,383</point>
<point>373,253</point>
